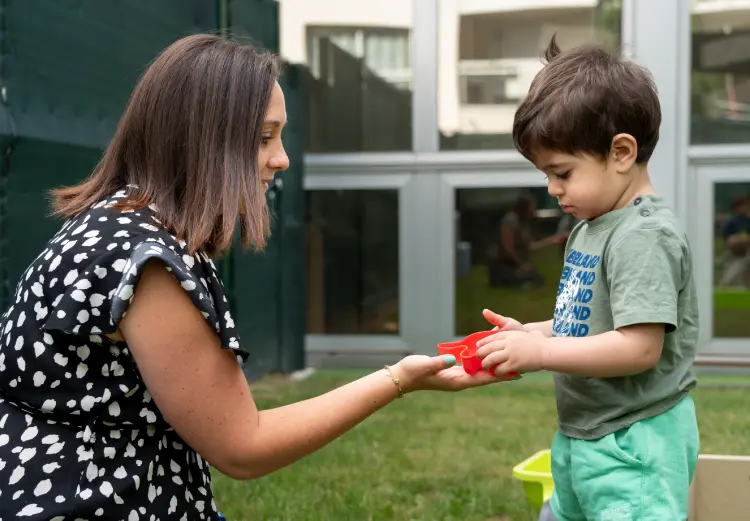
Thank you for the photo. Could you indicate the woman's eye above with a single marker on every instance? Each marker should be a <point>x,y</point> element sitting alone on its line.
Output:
<point>265,139</point>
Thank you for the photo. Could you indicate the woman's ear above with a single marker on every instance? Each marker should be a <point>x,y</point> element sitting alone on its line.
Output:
<point>623,152</point>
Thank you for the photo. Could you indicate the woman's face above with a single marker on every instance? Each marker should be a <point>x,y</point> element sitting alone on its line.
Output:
<point>271,157</point>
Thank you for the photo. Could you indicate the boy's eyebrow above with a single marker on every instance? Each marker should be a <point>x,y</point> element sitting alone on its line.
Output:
<point>552,166</point>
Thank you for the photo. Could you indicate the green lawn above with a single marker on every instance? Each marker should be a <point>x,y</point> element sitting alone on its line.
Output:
<point>731,307</point>
<point>435,456</point>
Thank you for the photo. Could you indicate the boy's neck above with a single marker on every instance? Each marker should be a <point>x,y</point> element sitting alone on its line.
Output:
<point>640,184</point>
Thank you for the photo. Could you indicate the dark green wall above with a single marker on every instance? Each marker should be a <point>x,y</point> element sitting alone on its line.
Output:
<point>68,67</point>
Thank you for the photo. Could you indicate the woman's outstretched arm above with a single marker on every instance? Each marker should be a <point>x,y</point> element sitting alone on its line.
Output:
<point>202,392</point>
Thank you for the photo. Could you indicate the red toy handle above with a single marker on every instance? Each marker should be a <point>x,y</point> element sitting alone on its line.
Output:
<point>465,352</point>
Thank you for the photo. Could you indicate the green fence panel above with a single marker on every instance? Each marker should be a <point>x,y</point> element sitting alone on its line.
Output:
<point>352,109</point>
<point>35,166</point>
<point>69,67</point>
<point>293,268</point>
<point>268,290</point>
<point>255,21</point>
<point>255,281</point>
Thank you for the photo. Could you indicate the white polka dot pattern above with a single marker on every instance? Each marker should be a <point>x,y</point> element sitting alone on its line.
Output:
<point>80,436</point>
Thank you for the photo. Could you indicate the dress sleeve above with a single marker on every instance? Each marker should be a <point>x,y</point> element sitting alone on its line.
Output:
<point>97,298</point>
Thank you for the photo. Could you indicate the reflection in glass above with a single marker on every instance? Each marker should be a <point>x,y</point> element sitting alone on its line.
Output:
<point>732,260</point>
<point>352,262</point>
<point>510,247</point>
<point>359,71</point>
<point>720,80</point>
<point>489,52</point>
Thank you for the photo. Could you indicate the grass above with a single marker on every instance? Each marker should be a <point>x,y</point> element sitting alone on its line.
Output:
<point>731,308</point>
<point>435,456</point>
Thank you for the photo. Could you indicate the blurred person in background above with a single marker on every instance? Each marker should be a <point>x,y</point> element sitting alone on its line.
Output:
<point>511,256</point>
<point>735,232</point>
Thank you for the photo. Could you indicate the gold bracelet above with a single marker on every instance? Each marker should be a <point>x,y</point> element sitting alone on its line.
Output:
<point>395,381</point>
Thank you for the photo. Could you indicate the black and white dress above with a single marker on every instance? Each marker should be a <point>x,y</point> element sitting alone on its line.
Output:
<point>80,436</point>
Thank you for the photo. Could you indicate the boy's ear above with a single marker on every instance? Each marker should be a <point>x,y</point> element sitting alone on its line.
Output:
<point>623,152</point>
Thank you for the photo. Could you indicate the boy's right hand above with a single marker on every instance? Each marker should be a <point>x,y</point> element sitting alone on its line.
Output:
<point>502,323</point>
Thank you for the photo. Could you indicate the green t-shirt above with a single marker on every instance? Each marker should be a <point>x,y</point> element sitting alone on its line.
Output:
<point>629,266</point>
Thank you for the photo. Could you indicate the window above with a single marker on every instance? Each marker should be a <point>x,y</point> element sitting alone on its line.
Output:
<point>353,262</point>
<point>489,56</point>
<point>384,51</point>
<point>732,260</point>
<point>359,81</point>
<point>509,253</point>
<point>720,80</point>
<point>486,90</point>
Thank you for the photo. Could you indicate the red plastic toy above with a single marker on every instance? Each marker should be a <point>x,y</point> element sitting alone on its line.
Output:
<point>465,352</point>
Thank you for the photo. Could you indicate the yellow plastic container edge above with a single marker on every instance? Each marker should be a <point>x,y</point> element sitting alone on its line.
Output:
<point>542,479</point>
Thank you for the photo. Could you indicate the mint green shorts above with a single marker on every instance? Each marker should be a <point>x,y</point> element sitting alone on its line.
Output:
<point>640,473</point>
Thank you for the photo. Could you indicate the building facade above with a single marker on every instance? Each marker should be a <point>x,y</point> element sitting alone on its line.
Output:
<point>415,195</point>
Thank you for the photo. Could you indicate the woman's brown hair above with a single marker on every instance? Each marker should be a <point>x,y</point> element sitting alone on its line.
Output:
<point>188,143</point>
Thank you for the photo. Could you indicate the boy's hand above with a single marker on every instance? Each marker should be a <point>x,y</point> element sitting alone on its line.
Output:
<point>502,323</point>
<point>513,350</point>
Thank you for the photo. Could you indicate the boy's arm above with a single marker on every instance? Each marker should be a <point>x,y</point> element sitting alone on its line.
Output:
<point>644,271</point>
<point>544,328</point>
<point>628,351</point>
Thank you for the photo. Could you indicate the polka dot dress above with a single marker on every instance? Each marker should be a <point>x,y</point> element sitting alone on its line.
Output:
<point>80,436</point>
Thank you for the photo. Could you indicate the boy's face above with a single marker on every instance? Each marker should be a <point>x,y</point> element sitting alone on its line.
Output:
<point>586,186</point>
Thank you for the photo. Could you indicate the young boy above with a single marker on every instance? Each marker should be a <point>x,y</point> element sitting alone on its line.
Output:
<point>625,327</point>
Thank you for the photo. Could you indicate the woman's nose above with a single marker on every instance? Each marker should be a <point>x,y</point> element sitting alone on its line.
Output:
<point>279,161</point>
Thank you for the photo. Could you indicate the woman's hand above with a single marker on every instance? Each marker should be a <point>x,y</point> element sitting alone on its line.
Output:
<point>439,373</point>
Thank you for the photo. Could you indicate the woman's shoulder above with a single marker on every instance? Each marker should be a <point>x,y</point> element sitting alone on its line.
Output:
<point>110,230</point>
<point>110,224</point>
<point>86,278</point>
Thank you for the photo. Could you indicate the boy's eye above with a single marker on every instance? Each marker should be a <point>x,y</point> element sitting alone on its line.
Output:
<point>564,175</point>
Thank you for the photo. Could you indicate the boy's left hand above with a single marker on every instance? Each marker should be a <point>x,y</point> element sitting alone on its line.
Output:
<point>513,350</point>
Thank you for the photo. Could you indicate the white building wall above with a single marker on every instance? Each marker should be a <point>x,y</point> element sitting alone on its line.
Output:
<point>510,44</point>
<point>510,6</point>
<point>510,33</point>
<point>296,15</point>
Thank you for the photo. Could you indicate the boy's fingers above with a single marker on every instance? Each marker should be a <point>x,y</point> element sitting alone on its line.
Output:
<point>494,319</point>
<point>500,335</point>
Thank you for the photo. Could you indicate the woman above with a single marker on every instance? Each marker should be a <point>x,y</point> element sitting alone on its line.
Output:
<point>119,373</point>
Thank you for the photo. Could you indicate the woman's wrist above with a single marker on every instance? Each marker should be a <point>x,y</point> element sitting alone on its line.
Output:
<point>394,374</point>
